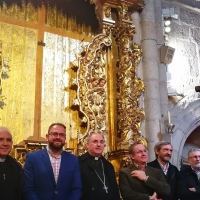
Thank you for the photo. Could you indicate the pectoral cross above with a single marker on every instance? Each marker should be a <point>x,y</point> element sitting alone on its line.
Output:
<point>105,188</point>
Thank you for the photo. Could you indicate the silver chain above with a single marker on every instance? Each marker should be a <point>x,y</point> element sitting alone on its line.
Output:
<point>103,181</point>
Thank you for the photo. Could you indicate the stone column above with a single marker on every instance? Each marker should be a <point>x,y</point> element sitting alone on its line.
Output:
<point>135,16</point>
<point>151,76</point>
<point>136,21</point>
<point>137,37</point>
<point>162,72</point>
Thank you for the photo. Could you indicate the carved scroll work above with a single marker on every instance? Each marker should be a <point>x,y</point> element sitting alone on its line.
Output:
<point>91,77</point>
<point>129,86</point>
<point>4,68</point>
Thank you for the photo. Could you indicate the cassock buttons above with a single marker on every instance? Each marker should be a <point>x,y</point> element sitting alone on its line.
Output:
<point>56,192</point>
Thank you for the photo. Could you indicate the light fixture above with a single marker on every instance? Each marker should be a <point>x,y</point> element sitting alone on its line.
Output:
<point>167,22</point>
<point>168,14</point>
<point>166,37</point>
<point>167,29</point>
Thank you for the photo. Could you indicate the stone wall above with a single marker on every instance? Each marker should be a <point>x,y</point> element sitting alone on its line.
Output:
<point>184,70</point>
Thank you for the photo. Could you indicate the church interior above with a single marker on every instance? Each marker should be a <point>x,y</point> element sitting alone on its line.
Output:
<point>128,69</point>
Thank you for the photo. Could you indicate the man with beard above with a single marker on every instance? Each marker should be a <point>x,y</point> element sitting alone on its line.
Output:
<point>188,181</point>
<point>98,175</point>
<point>51,173</point>
<point>163,152</point>
<point>139,181</point>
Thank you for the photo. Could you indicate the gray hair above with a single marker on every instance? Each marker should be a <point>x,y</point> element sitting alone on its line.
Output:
<point>94,133</point>
<point>5,129</point>
<point>158,146</point>
<point>192,150</point>
<point>132,146</point>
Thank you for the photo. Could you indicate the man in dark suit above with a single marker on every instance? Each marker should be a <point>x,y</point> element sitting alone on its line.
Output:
<point>188,181</point>
<point>163,151</point>
<point>10,169</point>
<point>139,181</point>
<point>98,175</point>
<point>51,173</point>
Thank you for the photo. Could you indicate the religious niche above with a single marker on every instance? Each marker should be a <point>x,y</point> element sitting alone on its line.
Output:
<point>91,94</point>
<point>4,70</point>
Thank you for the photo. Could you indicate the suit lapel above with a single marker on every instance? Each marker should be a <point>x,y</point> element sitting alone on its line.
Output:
<point>170,173</point>
<point>63,167</point>
<point>47,163</point>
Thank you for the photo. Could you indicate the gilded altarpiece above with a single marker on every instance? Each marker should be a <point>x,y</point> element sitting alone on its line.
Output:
<point>39,88</point>
<point>19,46</point>
<point>58,95</point>
<point>57,78</point>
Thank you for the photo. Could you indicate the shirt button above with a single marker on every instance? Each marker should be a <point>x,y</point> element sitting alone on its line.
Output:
<point>92,189</point>
<point>56,192</point>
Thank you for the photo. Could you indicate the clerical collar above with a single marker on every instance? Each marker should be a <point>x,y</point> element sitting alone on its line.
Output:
<point>140,168</point>
<point>95,158</point>
<point>2,159</point>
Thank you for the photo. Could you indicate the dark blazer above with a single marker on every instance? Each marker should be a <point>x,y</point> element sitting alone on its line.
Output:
<point>134,189</point>
<point>90,185</point>
<point>40,182</point>
<point>188,179</point>
<point>171,179</point>
<point>11,175</point>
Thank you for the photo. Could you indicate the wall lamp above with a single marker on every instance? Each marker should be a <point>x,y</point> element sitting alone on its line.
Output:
<point>167,15</point>
<point>167,23</point>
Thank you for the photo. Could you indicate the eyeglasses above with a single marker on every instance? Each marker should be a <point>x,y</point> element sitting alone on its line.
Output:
<point>195,157</point>
<point>55,134</point>
<point>142,151</point>
<point>98,142</point>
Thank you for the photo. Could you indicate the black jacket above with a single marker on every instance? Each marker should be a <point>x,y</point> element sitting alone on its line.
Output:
<point>188,179</point>
<point>171,179</point>
<point>91,186</point>
<point>10,179</point>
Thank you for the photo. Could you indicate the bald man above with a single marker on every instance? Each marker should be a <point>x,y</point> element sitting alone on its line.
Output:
<point>10,169</point>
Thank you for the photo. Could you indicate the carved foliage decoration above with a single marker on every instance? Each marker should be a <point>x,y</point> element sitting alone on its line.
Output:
<point>91,78</point>
<point>129,86</point>
<point>4,69</point>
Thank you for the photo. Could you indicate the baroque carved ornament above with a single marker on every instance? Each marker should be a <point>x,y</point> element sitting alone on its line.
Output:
<point>92,70</point>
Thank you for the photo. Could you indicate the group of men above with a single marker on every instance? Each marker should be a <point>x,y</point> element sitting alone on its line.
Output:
<point>54,174</point>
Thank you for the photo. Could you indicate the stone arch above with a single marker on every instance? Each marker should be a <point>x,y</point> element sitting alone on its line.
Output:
<point>186,118</point>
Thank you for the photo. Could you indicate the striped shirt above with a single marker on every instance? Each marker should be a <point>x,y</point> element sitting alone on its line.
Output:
<point>55,163</point>
<point>164,167</point>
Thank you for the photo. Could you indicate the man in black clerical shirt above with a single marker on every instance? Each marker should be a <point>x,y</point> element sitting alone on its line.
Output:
<point>97,174</point>
<point>10,169</point>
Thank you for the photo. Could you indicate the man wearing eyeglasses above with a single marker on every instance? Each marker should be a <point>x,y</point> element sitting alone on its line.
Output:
<point>97,174</point>
<point>139,181</point>
<point>189,179</point>
<point>163,151</point>
<point>51,173</point>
